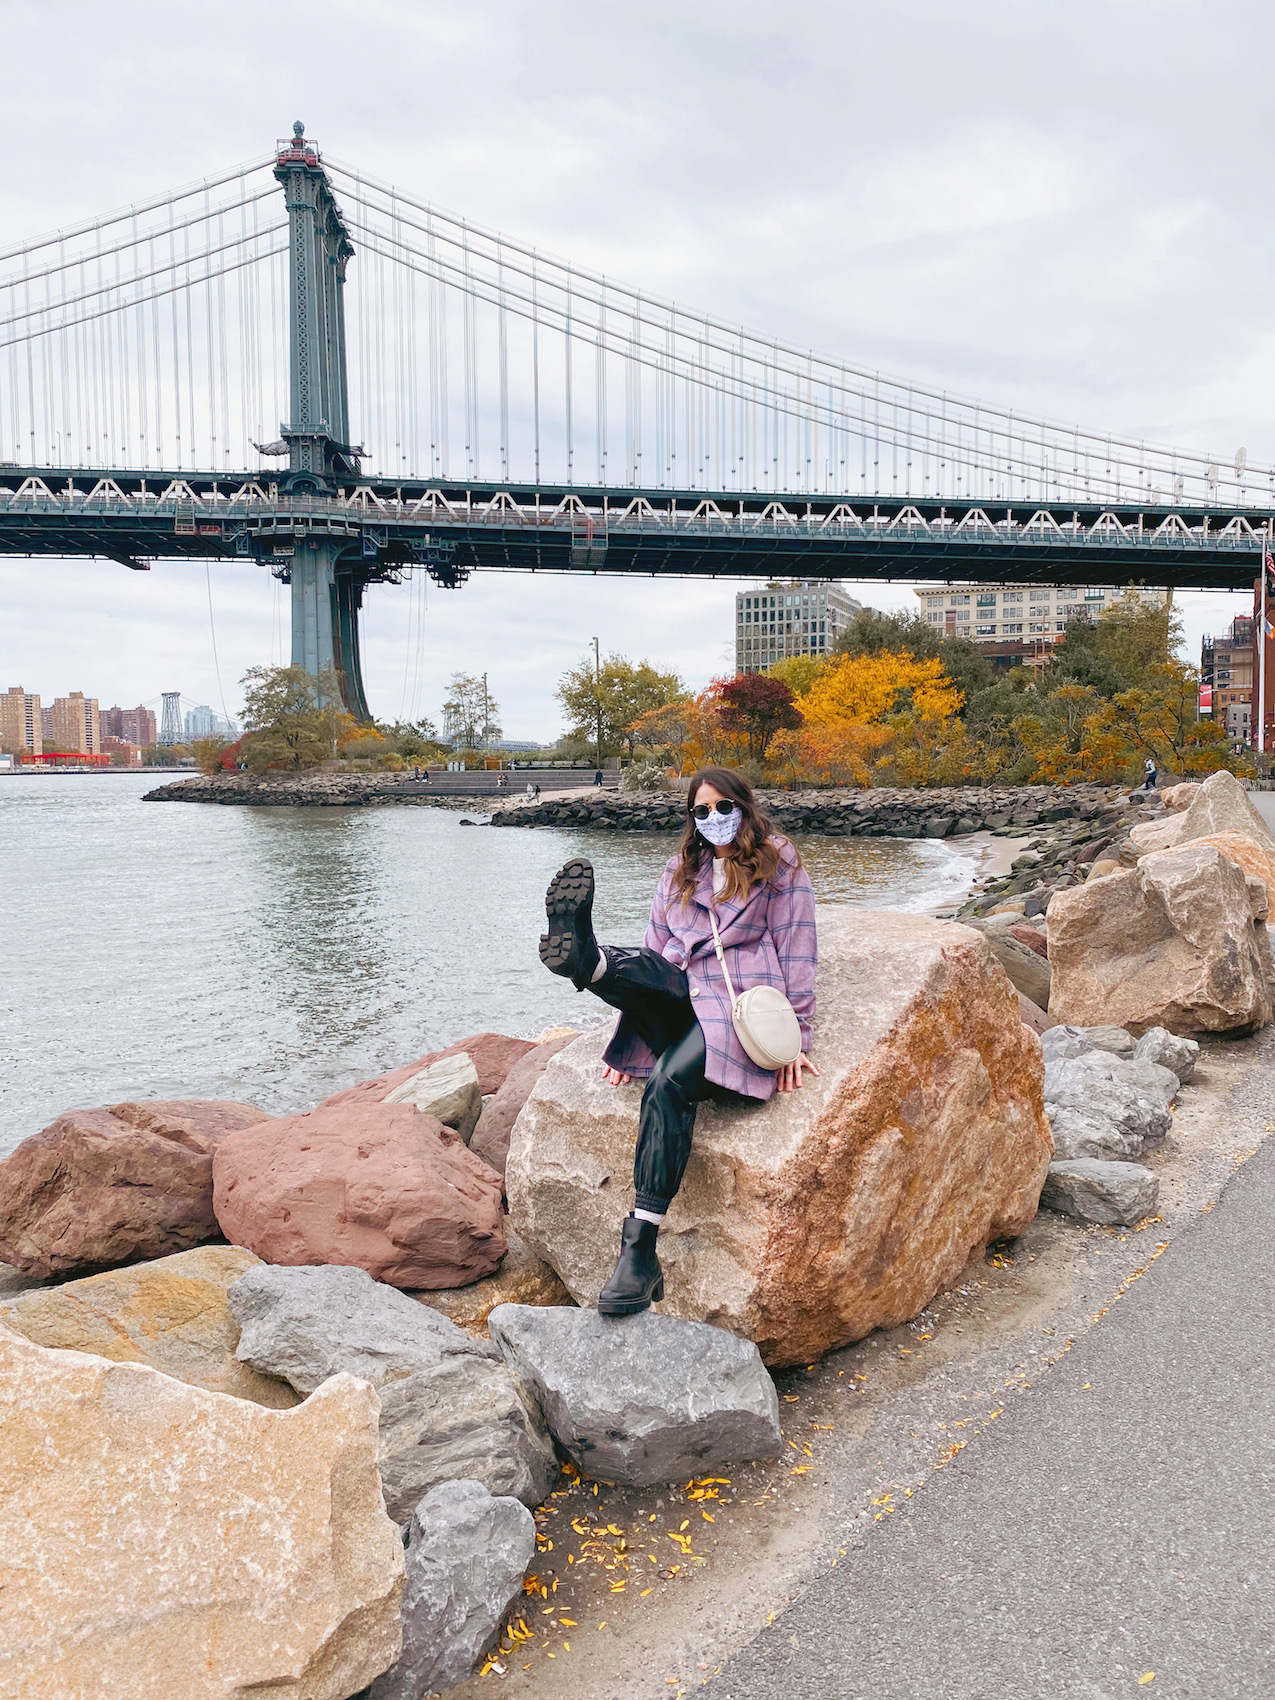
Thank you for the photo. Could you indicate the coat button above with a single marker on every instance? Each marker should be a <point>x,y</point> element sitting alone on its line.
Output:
<point>694,991</point>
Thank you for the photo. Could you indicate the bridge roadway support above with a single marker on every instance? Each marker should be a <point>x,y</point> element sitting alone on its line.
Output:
<point>325,621</point>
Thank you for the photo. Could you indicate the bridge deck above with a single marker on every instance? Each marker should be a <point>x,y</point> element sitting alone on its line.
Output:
<point>453,529</point>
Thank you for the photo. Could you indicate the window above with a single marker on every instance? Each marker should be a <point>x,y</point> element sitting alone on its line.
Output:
<point>1041,595</point>
<point>1036,625</point>
<point>1014,630</point>
<point>935,619</point>
<point>958,602</point>
<point>934,602</point>
<point>964,614</point>
<point>987,600</point>
<point>1011,596</point>
<point>1092,595</point>
<point>984,631</point>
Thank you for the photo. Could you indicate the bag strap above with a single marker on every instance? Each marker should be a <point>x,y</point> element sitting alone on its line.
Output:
<point>721,956</point>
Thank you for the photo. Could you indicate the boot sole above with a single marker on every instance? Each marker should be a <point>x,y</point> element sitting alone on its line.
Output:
<point>570,890</point>
<point>631,1307</point>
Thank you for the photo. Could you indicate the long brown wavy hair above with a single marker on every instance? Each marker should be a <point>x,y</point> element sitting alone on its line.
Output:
<point>754,859</point>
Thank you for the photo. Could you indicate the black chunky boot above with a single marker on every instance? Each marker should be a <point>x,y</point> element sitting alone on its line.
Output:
<point>638,1280</point>
<point>569,947</point>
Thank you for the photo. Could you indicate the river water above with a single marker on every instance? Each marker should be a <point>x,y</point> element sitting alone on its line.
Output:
<point>161,950</point>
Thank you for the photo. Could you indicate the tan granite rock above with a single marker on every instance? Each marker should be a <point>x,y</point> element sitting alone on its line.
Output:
<point>378,1186</point>
<point>1257,859</point>
<point>1176,798</point>
<point>491,1136</point>
<point>808,1221</point>
<point>1180,942</point>
<point>171,1314</point>
<point>494,1054</point>
<point>101,1187</point>
<point>1220,805</point>
<point>448,1089</point>
<point>522,1279</point>
<point>166,1543</point>
<point>1102,867</point>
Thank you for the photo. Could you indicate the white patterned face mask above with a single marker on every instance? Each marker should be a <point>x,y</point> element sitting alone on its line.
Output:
<point>721,829</point>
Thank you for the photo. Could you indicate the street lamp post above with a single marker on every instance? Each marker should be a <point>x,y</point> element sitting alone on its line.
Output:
<point>597,696</point>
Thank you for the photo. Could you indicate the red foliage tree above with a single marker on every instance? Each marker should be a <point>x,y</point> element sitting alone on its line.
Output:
<point>755,706</point>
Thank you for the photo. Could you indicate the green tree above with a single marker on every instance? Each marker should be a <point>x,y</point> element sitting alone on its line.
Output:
<point>208,753</point>
<point>1117,651</point>
<point>293,719</point>
<point>471,715</point>
<point>602,705</point>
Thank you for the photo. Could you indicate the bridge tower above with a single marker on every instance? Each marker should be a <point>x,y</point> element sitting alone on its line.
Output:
<point>326,592</point>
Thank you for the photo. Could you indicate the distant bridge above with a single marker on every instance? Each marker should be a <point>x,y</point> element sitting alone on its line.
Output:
<point>145,354</point>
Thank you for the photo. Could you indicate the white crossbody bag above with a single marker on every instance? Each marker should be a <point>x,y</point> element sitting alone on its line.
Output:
<point>765,1022</point>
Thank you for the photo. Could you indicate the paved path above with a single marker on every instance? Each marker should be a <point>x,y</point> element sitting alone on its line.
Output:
<point>1264,803</point>
<point>1117,1520</point>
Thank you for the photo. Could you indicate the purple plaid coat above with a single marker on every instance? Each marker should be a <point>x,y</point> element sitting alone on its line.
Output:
<point>769,939</point>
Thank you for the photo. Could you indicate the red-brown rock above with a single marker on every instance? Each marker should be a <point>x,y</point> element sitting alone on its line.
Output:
<point>491,1136</point>
<point>377,1186</point>
<point>102,1187</point>
<point>1032,937</point>
<point>494,1055</point>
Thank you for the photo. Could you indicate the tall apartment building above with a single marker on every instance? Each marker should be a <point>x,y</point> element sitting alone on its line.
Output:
<point>21,722</point>
<point>132,725</point>
<point>75,724</point>
<point>204,722</point>
<point>777,621</point>
<point>1226,671</point>
<point>991,613</point>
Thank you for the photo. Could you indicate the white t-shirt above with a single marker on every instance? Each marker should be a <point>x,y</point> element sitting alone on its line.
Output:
<point>719,874</point>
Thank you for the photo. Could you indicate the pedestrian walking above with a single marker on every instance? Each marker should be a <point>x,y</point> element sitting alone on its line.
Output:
<point>1151,772</point>
<point>734,910</point>
<point>597,778</point>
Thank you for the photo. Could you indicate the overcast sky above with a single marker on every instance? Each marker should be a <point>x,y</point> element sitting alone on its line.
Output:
<point>1058,204</point>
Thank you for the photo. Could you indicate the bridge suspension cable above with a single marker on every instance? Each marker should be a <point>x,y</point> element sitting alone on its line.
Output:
<point>474,357</point>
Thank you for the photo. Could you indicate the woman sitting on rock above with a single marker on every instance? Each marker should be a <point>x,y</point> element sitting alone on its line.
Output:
<point>675,1026</point>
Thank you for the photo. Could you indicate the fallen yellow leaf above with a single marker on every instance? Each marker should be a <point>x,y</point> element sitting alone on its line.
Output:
<point>1147,1676</point>
<point>570,1622</point>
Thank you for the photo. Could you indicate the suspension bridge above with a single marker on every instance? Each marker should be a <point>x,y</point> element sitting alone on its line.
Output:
<point>516,413</point>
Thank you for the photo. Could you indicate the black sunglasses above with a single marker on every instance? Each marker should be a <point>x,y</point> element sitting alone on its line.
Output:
<point>701,811</point>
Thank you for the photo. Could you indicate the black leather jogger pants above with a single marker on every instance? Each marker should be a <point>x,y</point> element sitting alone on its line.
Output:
<point>654,1000</point>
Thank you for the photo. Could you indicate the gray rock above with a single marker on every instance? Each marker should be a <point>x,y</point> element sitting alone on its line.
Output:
<point>467,1555</point>
<point>448,1089</point>
<point>1113,1039</point>
<point>642,1399</point>
<point>1158,1045</point>
<point>1101,1106</point>
<point>1094,1191</point>
<point>450,1409</point>
<point>1028,973</point>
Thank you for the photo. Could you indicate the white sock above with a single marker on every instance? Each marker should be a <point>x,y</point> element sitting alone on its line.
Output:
<point>601,968</point>
<point>648,1216</point>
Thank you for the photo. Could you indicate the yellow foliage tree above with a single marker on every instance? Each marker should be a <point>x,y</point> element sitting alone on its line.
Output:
<point>868,689</point>
<point>841,754</point>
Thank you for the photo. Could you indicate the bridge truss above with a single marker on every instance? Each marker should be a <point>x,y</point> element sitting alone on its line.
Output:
<point>515,412</point>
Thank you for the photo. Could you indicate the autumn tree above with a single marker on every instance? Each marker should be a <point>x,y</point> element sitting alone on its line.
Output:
<point>872,631</point>
<point>603,703</point>
<point>866,688</point>
<point>293,718</point>
<point>755,707</point>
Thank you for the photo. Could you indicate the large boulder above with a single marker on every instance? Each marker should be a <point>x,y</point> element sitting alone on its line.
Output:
<point>101,1187</point>
<point>808,1221</point>
<point>467,1554</point>
<point>1253,857</point>
<point>378,1186</point>
<point>522,1279</point>
<point>642,1399</point>
<point>1220,804</point>
<point>1106,1107</point>
<point>448,1090</point>
<point>171,1314</point>
<point>1179,941</point>
<point>449,1407</point>
<point>1177,798</point>
<point>491,1136</point>
<point>1094,1191</point>
<point>162,1542</point>
<point>492,1054</point>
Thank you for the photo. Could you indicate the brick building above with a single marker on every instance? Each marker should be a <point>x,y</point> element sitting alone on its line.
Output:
<point>21,722</point>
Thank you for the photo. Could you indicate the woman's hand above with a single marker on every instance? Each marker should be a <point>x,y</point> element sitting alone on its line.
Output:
<point>613,1077</point>
<point>788,1078</point>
